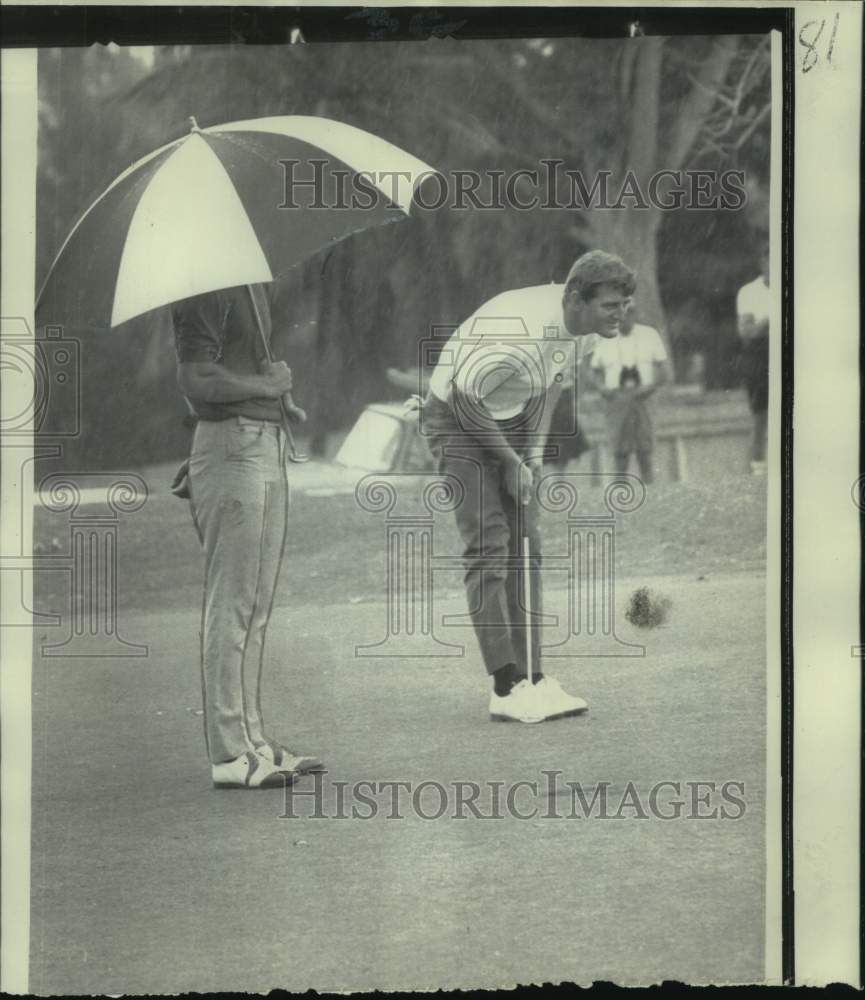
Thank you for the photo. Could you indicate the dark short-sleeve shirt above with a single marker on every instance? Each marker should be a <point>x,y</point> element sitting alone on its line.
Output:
<point>221,326</point>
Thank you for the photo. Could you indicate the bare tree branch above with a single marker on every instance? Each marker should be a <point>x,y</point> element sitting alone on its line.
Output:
<point>716,93</point>
<point>759,118</point>
<point>702,97</point>
<point>734,118</point>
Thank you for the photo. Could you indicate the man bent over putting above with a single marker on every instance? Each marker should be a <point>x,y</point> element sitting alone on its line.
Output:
<point>487,415</point>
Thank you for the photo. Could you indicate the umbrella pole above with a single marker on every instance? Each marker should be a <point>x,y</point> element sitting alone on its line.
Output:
<point>293,454</point>
<point>527,604</point>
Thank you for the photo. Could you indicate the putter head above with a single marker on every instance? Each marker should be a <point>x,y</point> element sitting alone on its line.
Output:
<point>297,457</point>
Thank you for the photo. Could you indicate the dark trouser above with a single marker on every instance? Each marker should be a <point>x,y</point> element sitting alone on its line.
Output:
<point>629,429</point>
<point>644,461</point>
<point>758,436</point>
<point>492,526</point>
<point>755,357</point>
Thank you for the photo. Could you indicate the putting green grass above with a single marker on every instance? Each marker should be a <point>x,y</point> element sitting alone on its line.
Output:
<point>146,880</point>
<point>336,550</point>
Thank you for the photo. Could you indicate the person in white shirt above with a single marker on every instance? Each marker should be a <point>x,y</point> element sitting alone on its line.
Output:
<point>487,416</point>
<point>628,369</point>
<point>752,312</point>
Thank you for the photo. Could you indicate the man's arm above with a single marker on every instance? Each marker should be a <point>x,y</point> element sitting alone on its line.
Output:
<point>662,376</point>
<point>469,386</point>
<point>536,450</point>
<point>475,419</point>
<point>210,382</point>
<point>747,325</point>
<point>199,325</point>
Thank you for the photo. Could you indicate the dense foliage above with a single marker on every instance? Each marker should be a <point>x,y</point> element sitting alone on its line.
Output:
<point>643,105</point>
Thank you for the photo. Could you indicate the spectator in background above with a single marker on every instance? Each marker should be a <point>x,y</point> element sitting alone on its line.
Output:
<point>627,370</point>
<point>752,317</point>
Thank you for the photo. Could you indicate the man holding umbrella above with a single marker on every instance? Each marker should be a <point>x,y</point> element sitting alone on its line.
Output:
<point>491,397</point>
<point>239,499</point>
<point>205,222</point>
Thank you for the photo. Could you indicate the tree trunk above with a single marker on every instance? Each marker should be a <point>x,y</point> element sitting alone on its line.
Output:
<point>632,235</point>
<point>628,231</point>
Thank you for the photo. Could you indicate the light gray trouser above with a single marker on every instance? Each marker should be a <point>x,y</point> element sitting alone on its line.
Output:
<point>239,501</point>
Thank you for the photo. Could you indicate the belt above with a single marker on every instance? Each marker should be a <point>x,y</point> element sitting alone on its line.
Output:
<point>433,402</point>
<point>268,425</point>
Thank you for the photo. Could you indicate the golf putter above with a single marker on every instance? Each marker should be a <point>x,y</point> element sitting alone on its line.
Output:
<point>293,454</point>
<point>528,608</point>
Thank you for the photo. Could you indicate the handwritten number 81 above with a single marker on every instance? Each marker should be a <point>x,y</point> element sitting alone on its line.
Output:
<point>809,36</point>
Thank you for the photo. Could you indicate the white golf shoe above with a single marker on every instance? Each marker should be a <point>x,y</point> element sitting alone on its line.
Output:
<point>250,770</point>
<point>288,760</point>
<point>519,705</point>
<point>554,702</point>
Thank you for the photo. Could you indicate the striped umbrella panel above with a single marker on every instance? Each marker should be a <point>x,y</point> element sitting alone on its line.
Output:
<point>219,208</point>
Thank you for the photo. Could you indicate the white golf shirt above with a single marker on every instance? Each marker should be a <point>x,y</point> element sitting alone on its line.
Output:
<point>753,299</point>
<point>510,351</point>
<point>640,349</point>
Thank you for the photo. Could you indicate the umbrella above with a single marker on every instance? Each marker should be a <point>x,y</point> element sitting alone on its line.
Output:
<point>224,206</point>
